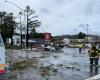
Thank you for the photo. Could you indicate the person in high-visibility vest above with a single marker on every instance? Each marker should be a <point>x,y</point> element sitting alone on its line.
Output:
<point>80,48</point>
<point>93,55</point>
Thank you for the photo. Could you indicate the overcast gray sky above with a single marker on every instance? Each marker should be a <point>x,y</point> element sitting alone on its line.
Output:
<point>61,16</point>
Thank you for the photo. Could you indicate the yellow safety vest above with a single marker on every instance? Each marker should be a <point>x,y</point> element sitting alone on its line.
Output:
<point>93,53</point>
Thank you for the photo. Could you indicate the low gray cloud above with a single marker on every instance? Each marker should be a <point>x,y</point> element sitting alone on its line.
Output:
<point>45,11</point>
<point>62,16</point>
<point>59,2</point>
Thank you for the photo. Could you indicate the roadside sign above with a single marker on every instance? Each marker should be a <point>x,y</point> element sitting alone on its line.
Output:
<point>2,56</point>
<point>47,37</point>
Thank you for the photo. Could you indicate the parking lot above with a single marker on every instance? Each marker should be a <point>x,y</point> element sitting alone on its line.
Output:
<point>65,65</point>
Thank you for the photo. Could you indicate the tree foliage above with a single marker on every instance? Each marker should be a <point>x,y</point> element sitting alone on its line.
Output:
<point>37,35</point>
<point>81,35</point>
<point>33,25</point>
<point>7,25</point>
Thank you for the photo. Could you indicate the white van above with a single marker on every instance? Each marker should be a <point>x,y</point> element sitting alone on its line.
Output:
<point>2,55</point>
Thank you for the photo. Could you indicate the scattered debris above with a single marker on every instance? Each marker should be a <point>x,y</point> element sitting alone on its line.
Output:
<point>42,65</point>
<point>21,65</point>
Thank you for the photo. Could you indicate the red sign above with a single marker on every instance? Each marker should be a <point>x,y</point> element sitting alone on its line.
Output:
<point>2,72</point>
<point>47,36</point>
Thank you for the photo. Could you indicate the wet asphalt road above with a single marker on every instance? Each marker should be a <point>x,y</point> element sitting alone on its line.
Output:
<point>65,65</point>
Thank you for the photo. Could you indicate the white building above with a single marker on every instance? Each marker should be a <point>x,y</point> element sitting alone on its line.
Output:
<point>16,40</point>
<point>66,40</point>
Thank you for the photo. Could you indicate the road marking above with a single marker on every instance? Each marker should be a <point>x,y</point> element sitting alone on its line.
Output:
<point>94,77</point>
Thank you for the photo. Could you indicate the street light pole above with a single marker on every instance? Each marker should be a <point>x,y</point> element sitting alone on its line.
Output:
<point>20,14</point>
<point>27,16</point>
<point>87,32</point>
<point>25,27</point>
<point>86,27</point>
<point>14,5</point>
<point>24,18</point>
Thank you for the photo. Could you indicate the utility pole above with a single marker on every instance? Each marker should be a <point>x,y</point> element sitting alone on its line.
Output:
<point>87,32</point>
<point>20,14</point>
<point>27,10</point>
<point>27,34</point>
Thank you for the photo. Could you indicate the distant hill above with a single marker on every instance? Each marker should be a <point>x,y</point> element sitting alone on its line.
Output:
<point>73,36</point>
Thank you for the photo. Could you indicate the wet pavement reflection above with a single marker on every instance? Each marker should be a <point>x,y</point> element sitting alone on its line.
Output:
<point>93,71</point>
<point>65,65</point>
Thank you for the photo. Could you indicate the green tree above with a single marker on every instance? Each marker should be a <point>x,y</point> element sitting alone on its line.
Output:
<point>31,24</point>
<point>81,35</point>
<point>37,35</point>
<point>2,28</point>
<point>11,25</point>
<point>7,26</point>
